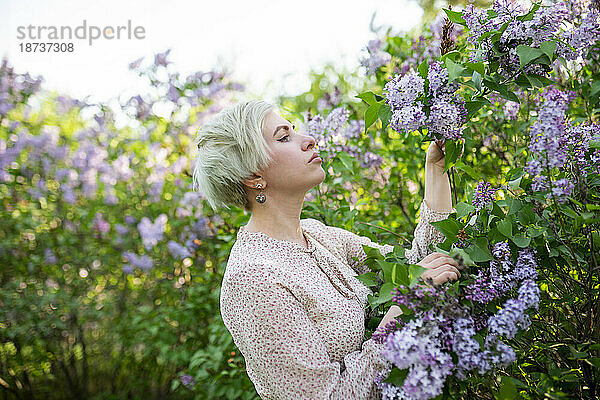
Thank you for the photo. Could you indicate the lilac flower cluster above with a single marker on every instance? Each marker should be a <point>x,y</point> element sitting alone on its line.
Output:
<point>329,100</point>
<point>334,133</point>
<point>502,275</point>
<point>377,57</point>
<point>576,41</point>
<point>581,155</point>
<point>436,32</point>
<point>439,328</point>
<point>144,262</point>
<point>417,347</point>
<point>447,110</point>
<point>545,25</point>
<point>152,232</point>
<point>483,195</point>
<point>15,88</point>
<point>556,144</point>
<point>447,113</point>
<point>177,250</point>
<point>187,381</point>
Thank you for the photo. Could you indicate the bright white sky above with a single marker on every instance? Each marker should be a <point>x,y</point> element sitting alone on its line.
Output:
<point>259,40</point>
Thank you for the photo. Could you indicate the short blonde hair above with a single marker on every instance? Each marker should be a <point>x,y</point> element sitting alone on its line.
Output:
<point>231,148</point>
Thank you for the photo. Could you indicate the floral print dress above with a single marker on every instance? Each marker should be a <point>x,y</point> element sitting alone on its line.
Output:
<point>297,314</point>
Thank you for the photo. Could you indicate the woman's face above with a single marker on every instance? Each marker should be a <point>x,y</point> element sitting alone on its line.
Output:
<point>290,170</point>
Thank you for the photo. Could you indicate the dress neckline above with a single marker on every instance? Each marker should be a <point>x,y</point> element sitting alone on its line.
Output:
<point>244,232</point>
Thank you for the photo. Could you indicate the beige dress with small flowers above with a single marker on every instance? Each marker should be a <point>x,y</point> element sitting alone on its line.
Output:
<point>297,315</point>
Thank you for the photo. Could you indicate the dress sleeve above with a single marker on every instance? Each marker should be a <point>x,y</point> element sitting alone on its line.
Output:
<point>424,235</point>
<point>285,356</point>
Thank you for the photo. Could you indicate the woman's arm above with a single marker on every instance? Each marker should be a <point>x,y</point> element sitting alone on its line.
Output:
<point>437,185</point>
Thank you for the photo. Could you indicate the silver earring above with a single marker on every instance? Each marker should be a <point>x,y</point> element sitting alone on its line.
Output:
<point>260,198</point>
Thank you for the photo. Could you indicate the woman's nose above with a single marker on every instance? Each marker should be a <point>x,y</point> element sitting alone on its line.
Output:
<point>310,143</point>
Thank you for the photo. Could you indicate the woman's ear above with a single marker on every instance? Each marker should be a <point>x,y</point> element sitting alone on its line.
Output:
<point>254,181</point>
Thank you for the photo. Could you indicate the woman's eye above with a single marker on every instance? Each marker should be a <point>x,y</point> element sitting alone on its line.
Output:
<point>286,136</point>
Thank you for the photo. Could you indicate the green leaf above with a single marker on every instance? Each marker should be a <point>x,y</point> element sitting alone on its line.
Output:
<point>473,106</point>
<point>396,377</point>
<point>505,228</point>
<point>595,88</point>
<point>371,115</point>
<point>369,279</point>
<point>449,227</point>
<point>508,389</point>
<point>479,251</point>
<point>534,81</point>
<point>387,268</point>
<point>452,151</point>
<point>385,294</point>
<point>501,89</point>
<point>476,79</point>
<point>461,253</point>
<point>400,275</point>
<point>423,69</point>
<point>385,114</point>
<point>415,271</point>
<point>521,240</point>
<point>454,70</point>
<point>369,97</point>
<point>465,168</point>
<point>464,209</point>
<point>455,17</point>
<point>478,66</point>
<point>528,54</point>
<point>346,159</point>
<point>548,47</point>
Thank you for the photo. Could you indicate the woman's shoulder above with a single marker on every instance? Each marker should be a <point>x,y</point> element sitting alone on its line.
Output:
<point>312,222</point>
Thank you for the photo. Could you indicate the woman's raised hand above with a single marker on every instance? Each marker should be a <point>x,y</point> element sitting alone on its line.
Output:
<point>435,153</point>
<point>440,268</point>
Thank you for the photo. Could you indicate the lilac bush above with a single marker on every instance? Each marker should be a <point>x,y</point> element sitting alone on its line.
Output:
<point>439,326</point>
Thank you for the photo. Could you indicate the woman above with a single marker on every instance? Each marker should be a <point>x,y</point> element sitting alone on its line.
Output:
<point>289,296</point>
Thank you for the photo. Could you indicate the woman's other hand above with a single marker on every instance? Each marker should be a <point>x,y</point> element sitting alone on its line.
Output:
<point>440,268</point>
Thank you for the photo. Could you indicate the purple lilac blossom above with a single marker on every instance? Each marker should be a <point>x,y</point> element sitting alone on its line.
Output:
<point>151,232</point>
<point>447,111</point>
<point>377,57</point>
<point>177,250</point>
<point>143,262</point>
<point>404,90</point>
<point>580,38</point>
<point>100,225</point>
<point>417,347</point>
<point>482,289</point>
<point>49,257</point>
<point>334,133</point>
<point>483,195</point>
<point>468,351</point>
<point>549,142</point>
<point>543,26</point>
<point>187,381</point>
<point>525,268</point>
<point>579,137</point>
<point>501,251</point>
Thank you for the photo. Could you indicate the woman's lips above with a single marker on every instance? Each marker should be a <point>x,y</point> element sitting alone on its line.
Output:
<point>316,159</point>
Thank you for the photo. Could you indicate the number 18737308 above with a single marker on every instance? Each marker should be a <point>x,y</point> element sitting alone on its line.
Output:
<point>46,47</point>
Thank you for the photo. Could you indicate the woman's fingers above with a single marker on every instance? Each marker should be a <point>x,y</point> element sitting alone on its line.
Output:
<point>431,256</point>
<point>442,261</point>
<point>444,268</point>
<point>442,274</point>
<point>445,277</point>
